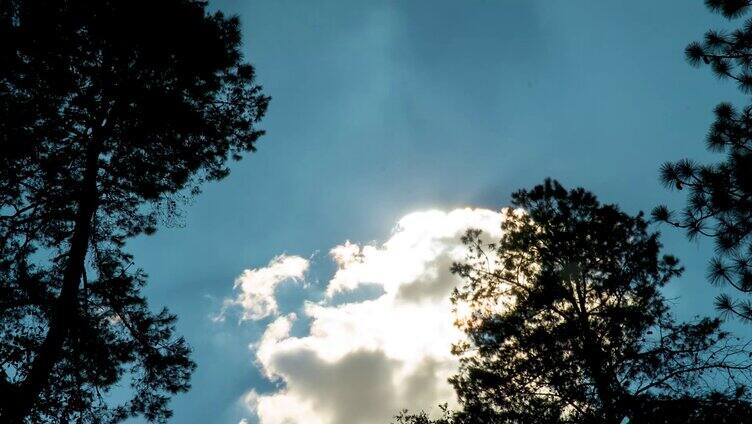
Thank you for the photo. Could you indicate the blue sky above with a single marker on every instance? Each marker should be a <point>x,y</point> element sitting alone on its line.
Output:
<point>383,108</point>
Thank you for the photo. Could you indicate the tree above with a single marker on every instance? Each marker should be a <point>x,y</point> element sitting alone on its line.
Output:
<point>713,408</point>
<point>719,195</point>
<point>569,325</point>
<point>405,417</point>
<point>110,111</point>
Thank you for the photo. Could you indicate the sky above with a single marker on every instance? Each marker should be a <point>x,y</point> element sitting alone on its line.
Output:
<point>314,279</point>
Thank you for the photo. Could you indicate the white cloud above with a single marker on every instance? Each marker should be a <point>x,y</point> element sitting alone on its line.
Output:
<point>364,360</point>
<point>256,286</point>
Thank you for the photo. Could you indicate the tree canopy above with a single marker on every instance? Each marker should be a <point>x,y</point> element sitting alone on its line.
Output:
<point>110,111</point>
<point>719,195</point>
<point>569,324</point>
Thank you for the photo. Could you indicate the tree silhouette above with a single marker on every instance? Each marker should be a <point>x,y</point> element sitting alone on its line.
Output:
<point>109,112</point>
<point>569,325</point>
<point>712,408</point>
<point>719,195</point>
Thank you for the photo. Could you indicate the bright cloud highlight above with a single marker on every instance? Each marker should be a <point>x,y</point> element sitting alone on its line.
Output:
<point>256,286</point>
<point>364,360</point>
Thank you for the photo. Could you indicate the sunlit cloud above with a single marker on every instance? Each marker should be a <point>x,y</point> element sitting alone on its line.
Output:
<point>256,287</point>
<point>363,360</point>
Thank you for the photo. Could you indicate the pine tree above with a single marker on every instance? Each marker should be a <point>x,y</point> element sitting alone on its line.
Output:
<point>110,111</point>
<point>719,195</point>
<point>569,324</point>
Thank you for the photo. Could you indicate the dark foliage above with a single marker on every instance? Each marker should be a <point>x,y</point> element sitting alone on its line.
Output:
<point>110,110</point>
<point>713,408</point>
<point>405,417</point>
<point>569,324</point>
<point>719,195</point>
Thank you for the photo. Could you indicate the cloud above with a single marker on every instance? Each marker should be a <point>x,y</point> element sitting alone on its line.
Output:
<point>363,360</point>
<point>256,287</point>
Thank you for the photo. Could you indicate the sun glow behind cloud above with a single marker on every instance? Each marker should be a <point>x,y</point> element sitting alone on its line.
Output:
<point>364,360</point>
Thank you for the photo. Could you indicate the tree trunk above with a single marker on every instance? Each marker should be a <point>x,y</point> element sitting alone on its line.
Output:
<point>21,403</point>
<point>603,378</point>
